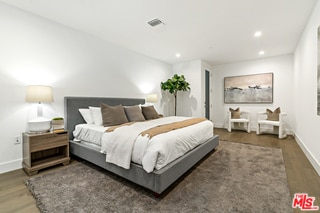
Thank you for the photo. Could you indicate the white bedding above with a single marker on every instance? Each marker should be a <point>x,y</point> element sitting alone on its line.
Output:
<point>125,144</point>
<point>90,133</point>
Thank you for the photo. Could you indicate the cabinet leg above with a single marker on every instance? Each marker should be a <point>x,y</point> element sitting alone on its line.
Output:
<point>33,172</point>
<point>66,163</point>
<point>30,173</point>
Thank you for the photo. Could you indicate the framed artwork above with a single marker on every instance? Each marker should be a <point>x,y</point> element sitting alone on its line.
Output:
<point>257,88</point>
<point>318,78</point>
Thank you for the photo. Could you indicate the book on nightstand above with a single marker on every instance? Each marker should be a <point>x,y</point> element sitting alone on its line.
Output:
<point>58,130</point>
<point>57,124</point>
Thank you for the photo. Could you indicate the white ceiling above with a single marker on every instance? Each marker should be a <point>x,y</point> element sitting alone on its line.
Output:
<point>216,31</point>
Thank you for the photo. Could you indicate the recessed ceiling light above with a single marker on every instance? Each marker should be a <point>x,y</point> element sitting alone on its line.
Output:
<point>257,34</point>
<point>261,52</point>
<point>178,55</point>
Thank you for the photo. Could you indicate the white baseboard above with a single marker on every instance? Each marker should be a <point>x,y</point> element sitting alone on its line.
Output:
<point>253,128</point>
<point>218,125</point>
<point>309,155</point>
<point>10,166</point>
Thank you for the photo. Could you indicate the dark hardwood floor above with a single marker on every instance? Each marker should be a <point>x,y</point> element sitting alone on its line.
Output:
<point>302,178</point>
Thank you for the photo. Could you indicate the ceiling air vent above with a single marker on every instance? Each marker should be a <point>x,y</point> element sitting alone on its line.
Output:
<point>155,22</point>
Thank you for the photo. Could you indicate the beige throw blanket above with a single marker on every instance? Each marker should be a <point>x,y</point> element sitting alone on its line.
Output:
<point>112,128</point>
<point>162,128</point>
<point>172,126</point>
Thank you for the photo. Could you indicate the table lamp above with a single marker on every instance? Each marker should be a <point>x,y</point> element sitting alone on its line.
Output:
<point>39,94</point>
<point>152,98</point>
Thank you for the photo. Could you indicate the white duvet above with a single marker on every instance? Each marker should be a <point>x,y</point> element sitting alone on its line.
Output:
<point>90,133</point>
<point>125,144</point>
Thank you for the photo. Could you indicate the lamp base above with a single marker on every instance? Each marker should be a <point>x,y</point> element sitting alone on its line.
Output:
<point>39,125</point>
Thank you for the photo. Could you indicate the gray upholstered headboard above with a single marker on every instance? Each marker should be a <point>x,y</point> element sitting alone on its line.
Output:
<point>72,104</point>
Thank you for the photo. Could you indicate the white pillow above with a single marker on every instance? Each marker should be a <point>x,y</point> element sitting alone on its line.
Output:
<point>96,115</point>
<point>86,114</point>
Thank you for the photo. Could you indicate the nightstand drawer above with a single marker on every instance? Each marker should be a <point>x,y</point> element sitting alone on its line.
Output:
<point>47,141</point>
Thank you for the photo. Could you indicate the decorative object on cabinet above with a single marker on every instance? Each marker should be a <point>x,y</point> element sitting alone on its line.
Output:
<point>275,118</point>
<point>238,120</point>
<point>57,124</point>
<point>175,84</point>
<point>257,88</point>
<point>39,94</point>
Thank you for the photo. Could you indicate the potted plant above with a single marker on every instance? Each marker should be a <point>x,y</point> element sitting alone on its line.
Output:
<point>175,84</point>
<point>57,123</point>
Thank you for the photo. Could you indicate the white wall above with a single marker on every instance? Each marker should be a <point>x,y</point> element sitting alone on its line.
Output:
<point>307,122</point>
<point>282,69</point>
<point>188,103</point>
<point>191,103</point>
<point>37,51</point>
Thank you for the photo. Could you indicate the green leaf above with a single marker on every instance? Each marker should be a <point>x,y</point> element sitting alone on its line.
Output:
<point>175,84</point>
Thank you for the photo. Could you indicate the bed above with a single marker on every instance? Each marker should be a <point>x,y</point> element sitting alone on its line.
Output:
<point>157,180</point>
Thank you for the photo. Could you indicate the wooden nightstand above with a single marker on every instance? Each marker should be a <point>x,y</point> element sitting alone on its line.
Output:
<point>44,150</point>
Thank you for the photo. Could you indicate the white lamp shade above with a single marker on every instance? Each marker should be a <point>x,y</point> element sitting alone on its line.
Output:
<point>152,98</point>
<point>39,93</point>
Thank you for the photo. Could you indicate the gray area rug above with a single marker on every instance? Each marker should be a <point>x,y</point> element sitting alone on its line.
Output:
<point>234,178</point>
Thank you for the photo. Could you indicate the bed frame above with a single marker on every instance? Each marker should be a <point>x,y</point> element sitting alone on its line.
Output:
<point>158,180</point>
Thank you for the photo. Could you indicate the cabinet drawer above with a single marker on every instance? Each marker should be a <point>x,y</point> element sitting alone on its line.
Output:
<point>47,141</point>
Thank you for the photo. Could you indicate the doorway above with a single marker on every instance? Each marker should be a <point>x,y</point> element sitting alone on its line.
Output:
<point>207,95</point>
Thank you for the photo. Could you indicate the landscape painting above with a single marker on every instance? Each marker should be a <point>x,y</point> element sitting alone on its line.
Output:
<point>257,88</point>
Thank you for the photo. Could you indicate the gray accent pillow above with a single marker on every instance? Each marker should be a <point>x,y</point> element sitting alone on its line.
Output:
<point>113,115</point>
<point>149,112</point>
<point>134,113</point>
